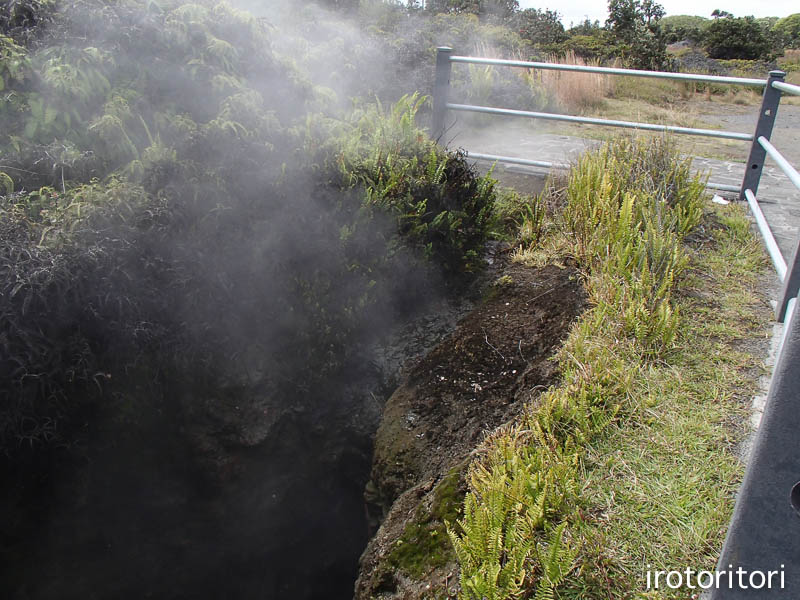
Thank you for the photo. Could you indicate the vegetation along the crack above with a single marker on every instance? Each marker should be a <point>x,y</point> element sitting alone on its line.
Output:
<point>630,460</point>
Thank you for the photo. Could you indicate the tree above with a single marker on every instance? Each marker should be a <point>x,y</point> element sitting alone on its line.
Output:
<point>634,25</point>
<point>587,27</point>
<point>677,28</point>
<point>628,19</point>
<point>787,31</point>
<point>541,27</point>
<point>731,37</point>
<point>497,9</point>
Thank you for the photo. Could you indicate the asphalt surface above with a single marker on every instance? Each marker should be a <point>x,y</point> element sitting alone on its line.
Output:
<point>779,199</point>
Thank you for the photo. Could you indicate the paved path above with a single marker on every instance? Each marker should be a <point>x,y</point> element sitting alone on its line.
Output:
<point>779,199</point>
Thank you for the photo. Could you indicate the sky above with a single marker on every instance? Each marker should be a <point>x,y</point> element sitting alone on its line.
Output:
<point>576,11</point>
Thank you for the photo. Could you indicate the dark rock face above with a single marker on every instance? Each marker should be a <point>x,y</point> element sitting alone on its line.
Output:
<point>181,509</point>
<point>249,489</point>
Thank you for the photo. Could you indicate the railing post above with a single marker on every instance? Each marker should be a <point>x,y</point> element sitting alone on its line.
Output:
<point>764,532</point>
<point>441,89</point>
<point>766,119</point>
<point>791,285</point>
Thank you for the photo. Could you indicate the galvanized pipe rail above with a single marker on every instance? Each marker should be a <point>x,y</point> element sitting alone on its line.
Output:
<point>769,240</point>
<point>609,70</point>
<point>508,112</point>
<point>764,532</point>
<point>781,161</point>
<point>773,86</point>
<point>518,161</point>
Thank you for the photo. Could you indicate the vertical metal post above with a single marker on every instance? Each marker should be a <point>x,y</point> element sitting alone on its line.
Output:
<point>441,89</point>
<point>766,119</point>
<point>791,284</point>
<point>764,533</point>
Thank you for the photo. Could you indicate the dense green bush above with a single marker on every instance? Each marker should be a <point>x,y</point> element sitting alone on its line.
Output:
<point>542,27</point>
<point>731,37</point>
<point>787,31</point>
<point>678,28</point>
<point>635,28</point>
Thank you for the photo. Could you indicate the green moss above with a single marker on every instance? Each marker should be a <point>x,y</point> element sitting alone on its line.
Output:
<point>424,544</point>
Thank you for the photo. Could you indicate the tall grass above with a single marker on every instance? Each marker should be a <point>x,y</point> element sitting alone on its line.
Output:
<point>790,61</point>
<point>573,91</point>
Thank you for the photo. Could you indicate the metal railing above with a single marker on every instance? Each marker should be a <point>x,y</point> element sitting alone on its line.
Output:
<point>772,86</point>
<point>764,532</point>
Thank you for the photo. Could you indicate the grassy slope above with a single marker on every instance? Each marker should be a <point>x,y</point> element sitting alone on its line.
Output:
<point>660,488</point>
<point>631,460</point>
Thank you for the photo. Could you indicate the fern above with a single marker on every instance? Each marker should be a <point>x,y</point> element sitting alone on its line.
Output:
<point>555,559</point>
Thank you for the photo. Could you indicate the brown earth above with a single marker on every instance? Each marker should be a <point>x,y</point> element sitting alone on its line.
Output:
<point>478,378</point>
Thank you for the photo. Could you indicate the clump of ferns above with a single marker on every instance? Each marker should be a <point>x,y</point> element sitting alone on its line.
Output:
<point>626,218</point>
<point>506,543</point>
<point>74,82</point>
<point>520,219</point>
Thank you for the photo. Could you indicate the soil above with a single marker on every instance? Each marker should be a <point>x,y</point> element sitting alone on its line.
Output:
<point>478,378</point>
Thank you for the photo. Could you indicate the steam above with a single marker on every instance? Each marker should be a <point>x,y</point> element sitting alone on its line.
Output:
<point>220,300</point>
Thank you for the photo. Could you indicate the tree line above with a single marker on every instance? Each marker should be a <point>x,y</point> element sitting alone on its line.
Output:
<point>636,32</point>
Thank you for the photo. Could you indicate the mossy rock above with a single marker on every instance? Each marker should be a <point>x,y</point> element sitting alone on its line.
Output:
<point>411,556</point>
<point>424,544</point>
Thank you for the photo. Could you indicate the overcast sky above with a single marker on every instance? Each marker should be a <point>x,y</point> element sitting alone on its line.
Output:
<point>576,11</point>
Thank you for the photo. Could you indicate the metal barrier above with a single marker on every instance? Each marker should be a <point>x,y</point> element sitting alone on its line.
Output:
<point>441,104</point>
<point>764,533</point>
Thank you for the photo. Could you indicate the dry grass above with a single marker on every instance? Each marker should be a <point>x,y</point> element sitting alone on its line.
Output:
<point>794,78</point>
<point>790,60</point>
<point>574,92</point>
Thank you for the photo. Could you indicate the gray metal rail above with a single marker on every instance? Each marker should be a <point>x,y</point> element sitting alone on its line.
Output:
<point>769,240</point>
<point>781,161</point>
<point>517,161</point>
<point>508,112</point>
<point>786,87</point>
<point>610,71</point>
<point>773,87</point>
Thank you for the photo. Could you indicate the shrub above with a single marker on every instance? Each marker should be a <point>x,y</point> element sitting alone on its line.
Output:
<point>731,37</point>
<point>678,28</point>
<point>787,31</point>
<point>440,204</point>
